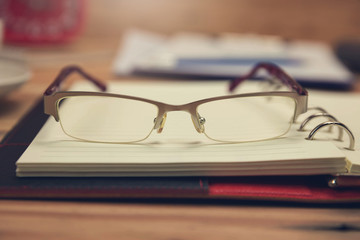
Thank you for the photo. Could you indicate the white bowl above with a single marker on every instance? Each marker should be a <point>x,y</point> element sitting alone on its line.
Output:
<point>13,73</point>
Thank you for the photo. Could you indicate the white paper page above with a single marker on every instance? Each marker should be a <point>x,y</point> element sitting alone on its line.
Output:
<point>179,147</point>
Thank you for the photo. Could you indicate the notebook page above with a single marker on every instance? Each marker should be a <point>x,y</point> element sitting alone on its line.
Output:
<point>179,147</point>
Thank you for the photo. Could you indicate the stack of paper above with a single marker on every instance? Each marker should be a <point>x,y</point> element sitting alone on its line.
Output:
<point>180,150</point>
<point>313,64</point>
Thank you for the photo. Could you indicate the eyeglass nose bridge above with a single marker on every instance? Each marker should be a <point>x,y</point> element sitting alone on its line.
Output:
<point>197,120</point>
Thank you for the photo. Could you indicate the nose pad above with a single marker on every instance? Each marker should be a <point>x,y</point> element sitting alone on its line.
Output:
<point>162,123</point>
<point>199,122</point>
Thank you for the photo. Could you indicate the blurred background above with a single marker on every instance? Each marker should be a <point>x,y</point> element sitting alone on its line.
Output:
<point>325,20</point>
<point>50,34</point>
<point>96,28</point>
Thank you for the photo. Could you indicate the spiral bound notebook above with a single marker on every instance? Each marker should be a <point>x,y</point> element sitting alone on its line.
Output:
<point>181,151</point>
<point>307,188</point>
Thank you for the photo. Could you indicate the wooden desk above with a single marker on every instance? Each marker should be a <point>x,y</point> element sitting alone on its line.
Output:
<point>114,220</point>
<point>147,220</point>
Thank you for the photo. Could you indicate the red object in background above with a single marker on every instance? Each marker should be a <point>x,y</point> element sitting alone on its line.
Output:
<point>42,21</point>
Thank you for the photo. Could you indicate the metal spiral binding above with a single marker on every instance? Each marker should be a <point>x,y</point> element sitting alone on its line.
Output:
<point>339,124</point>
<point>332,122</point>
<point>321,114</point>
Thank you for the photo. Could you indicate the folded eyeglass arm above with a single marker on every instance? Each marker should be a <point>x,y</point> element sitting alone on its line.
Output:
<point>273,70</point>
<point>65,72</point>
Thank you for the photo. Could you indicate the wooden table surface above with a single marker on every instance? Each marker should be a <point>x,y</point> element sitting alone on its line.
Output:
<point>171,220</point>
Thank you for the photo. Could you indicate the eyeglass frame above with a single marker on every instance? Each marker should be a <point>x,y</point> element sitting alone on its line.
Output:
<point>52,96</point>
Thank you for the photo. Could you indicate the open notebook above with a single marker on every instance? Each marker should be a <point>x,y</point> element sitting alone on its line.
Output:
<point>180,151</point>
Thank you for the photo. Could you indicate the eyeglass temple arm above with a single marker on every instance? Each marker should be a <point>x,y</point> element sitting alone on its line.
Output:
<point>65,72</point>
<point>274,70</point>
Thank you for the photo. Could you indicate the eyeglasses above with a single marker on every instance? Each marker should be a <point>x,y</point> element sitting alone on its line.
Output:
<point>115,118</point>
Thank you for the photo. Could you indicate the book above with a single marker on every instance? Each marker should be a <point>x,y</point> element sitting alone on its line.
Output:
<point>181,151</point>
<point>228,56</point>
